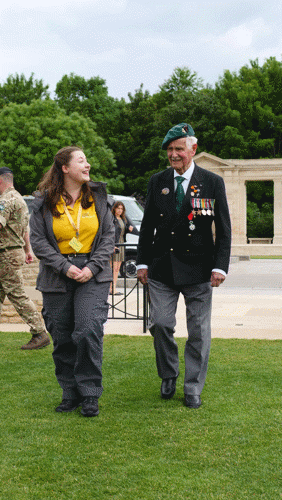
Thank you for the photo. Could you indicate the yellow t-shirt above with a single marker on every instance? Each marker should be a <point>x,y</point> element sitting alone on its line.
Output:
<point>64,231</point>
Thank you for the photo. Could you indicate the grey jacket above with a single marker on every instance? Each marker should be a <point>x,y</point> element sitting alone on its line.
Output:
<point>53,265</point>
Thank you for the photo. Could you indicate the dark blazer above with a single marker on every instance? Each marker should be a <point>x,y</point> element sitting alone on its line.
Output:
<point>175,253</point>
<point>53,265</point>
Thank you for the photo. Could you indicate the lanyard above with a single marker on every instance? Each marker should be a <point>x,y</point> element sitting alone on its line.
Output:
<point>77,226</point>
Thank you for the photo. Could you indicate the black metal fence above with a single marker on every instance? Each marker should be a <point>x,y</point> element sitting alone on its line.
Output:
<point>133,302</point>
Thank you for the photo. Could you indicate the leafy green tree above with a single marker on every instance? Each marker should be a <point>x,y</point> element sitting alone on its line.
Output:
<point>181,80</point>
<point>252,102</point>
<point>259,222</point>
<point>20,90</point>
<point>30,136</point>
<point>134,131</point>
<point>90,99</point>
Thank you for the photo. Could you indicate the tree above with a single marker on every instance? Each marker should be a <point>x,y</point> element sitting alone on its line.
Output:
<point>252,100</point>
<point>90,99</point>
<point>134,131</point>
<point>20,90</point>
<point>181,80</point>
<point>30,136</point>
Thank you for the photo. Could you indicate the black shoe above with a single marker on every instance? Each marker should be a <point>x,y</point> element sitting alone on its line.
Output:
<point>168,388</point>
<point>68,405</point>
<point>90,406</point>
<point>192,401</point>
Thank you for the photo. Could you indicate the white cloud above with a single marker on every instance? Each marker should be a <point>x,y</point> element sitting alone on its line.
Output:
<point>151,42</point>
<point>47,5</point>
<point>240,37</point>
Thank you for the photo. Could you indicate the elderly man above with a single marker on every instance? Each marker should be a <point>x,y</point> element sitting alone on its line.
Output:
<point>177,253</point>
<point>14,251</point>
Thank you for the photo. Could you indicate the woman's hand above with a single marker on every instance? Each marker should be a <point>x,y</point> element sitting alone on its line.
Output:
<point>84,275</point>
<point>130,228</point>
<point>73,272</point>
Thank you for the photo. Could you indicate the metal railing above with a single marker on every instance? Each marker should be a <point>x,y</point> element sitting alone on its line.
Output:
<point>133,304</point>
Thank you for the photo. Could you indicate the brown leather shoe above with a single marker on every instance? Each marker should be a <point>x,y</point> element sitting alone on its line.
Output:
<point>37,341</point>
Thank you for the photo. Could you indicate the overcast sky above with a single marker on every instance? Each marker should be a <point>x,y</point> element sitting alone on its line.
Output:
<point>129,42</point>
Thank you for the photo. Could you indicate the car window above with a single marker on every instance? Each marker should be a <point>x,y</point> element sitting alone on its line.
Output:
<point>134,210</point>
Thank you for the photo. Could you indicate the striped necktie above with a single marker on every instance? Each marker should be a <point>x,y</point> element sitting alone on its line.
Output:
<point>179,193</point>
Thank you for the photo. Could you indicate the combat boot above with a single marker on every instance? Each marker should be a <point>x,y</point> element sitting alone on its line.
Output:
<point>37,341</point>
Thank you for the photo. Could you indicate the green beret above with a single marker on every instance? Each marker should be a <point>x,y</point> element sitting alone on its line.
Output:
<point>176,132</point>
<point>5,170</point>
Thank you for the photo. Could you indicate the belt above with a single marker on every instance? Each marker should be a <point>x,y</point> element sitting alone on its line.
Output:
<point>74,255</point>
<point>10,248</point>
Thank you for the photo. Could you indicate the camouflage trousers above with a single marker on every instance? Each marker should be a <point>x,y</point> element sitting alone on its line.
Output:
<point>12,286</point>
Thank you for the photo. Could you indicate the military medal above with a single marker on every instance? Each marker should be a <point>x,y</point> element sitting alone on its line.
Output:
<point>190,218</point>
<point>195,191</point>
<point>204,212</point>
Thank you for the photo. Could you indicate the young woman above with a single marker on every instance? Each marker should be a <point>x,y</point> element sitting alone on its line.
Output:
<point>72,233</point>
<point>122,227</point>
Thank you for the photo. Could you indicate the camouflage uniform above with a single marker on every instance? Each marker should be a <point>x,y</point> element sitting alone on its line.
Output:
<point>14,221</point>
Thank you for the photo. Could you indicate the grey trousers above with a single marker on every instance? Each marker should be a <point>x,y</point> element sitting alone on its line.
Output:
<point>75,321</point>
<point>198,300</point>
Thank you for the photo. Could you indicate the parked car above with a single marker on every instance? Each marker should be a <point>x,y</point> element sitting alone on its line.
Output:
<point>134,214</point>
<point>28,198</point>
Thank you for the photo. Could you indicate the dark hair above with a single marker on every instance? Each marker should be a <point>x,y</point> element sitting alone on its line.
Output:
<point>52,183</point>
<point>116,205</point>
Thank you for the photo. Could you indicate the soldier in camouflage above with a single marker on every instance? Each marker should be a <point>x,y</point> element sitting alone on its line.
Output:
<point>15,250</point>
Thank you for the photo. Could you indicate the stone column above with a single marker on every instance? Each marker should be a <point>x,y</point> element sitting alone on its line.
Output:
<point>277,239</point>
<point>237,200</point>
<point>242,216</point>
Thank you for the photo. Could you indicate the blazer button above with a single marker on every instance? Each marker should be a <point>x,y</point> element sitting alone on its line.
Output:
<point>189,234</point>
<point>171,249</point>
<point>161,215</point>
<point>188,250</point>
<point>172,232</point>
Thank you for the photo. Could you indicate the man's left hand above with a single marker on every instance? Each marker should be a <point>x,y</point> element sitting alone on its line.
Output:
<point>28,257</point>
<point>217,279</point>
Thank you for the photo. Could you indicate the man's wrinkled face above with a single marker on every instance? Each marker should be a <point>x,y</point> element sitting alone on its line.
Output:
<point>179,155</point>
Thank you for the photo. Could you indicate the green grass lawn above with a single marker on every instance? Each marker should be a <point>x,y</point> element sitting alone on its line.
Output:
<point>140,446</point>
<point>266,256</point>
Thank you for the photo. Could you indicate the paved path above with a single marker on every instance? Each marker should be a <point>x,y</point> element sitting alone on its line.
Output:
<point>247,305</point>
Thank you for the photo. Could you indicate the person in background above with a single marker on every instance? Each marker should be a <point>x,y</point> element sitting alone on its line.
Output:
<point>72,233</point>
<point>14,252</point>
<point>122,227</point>
<point>177,254</point>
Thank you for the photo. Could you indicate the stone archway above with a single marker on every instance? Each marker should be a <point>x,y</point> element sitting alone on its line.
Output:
<point>235,174</point>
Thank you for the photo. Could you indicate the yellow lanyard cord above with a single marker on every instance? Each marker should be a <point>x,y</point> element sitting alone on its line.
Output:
<point>77,225</point>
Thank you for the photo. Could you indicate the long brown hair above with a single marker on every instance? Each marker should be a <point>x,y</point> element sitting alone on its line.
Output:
<point>52,183</point>
<point>116,205</point>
